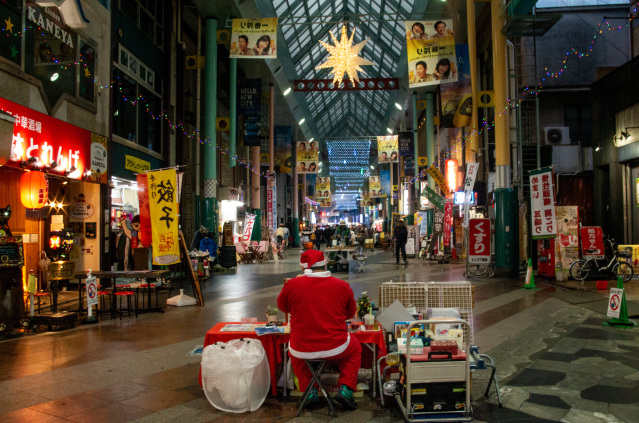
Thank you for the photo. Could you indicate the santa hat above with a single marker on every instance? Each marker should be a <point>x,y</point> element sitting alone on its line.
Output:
<point>312,258</point>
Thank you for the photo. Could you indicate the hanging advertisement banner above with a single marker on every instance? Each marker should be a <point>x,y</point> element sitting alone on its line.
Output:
<point>271,208</point>
<point>254,38</point>
<point>469,184</point>
<point>145,233</point>
<point>430,46</point>
<point>387,149</point>
<point>374,187</point>
<point>439,179</point>
<point>250,128</point>
<point>456,98</point>
<point>542,204</point>
<point>479,241</point>
<point>384,180</point>
<point>592,244</point>
<point>307,155</point>
<point>423,199</point>
<point>163,210</point>
<point>406,146</point>
<point>423,223</point>
<point>437,200</point>
<point>448,222</point>
<point>282,158</point>
<point>249,96</point>
<point>249,222</point>
<point>323,187</point>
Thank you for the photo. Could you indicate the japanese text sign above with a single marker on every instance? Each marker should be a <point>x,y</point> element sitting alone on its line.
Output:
<point>254,38</point>
<point>479,241</point>
<point>437,200</point>
<point>448,222</point>
<point>163,211</point>
<point>469,184</point>
<point>542,204</point>
<point>249,222</point>
<point>439,179</point>
<point>592,245</point>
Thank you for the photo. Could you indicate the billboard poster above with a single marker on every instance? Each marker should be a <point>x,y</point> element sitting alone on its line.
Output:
<point>456,98</point>
<point>384,179</point>
<point>323,187</point>
<point>307,155</point>
<point>592,244</point>
<point>406,146</point>
<point>479,241</point>
<point>282,148</point>
<point>387,149</point>
<point>567,242</point>
<point>542,204</point>
<point>254,38</point>
<point>326,202</point>
<point>374,187</point>
<point>249,96</point>
<point>311,181</point>
<point>430,46</point>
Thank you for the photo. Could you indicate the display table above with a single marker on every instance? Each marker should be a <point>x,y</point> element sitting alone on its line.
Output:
<point>372,339</point>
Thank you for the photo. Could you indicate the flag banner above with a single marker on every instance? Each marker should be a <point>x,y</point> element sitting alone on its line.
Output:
<point>456,98</point>
<point>249,221</point>
<point>145,233</point>
<point>254,38</point>
<point>542,204</point>
<point>439,179</point>
<point>163,211</point>
<point>437,200</point>
<point>479,241</point>
<point>374,187</point>
<point>307,155</point>
<point>323,188</point>
<point>469,184</point>
<point>384,178</point>
<point>448,222</point>
<point>406,146</point>
<point>282,147</point>
<point>387,149</point>
<point>271,207</point>
<point>592,243</point>
<point>430,46</point>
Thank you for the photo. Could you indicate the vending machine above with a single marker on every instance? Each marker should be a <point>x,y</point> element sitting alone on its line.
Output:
<point>546,257</point>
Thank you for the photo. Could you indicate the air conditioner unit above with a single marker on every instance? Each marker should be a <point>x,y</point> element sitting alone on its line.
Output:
<point>557,135</point>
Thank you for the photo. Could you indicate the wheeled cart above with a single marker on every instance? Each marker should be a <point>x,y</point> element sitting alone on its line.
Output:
<point>436,384</point>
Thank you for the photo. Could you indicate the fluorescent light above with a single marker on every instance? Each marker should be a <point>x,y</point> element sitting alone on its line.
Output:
<point>302,121</point>
<point>55,76</point>
<point>372,167</point>
<point>398,106</point>
<point>287,91</point>
<point>597,149</point>
<point>311,139</point>
<point>390,131</point>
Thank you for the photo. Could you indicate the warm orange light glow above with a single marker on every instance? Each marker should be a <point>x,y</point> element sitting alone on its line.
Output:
<point>34,190</point>
<point>451,174</point>
<point>54,242</point>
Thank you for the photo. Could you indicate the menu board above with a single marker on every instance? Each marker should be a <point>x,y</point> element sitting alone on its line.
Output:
<point>11,254</point>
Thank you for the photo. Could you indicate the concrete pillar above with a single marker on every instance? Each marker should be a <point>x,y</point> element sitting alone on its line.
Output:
<point>209,212</point>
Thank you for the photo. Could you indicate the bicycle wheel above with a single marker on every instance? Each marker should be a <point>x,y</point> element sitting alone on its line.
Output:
<point>575,269</point>
<point>585,269</point>
<point>624,270</point>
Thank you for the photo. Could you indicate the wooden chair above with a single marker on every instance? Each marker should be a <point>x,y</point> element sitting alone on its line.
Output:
<point>245,256</point>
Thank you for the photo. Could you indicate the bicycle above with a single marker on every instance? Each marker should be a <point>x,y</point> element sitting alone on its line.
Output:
<point>581,269</point>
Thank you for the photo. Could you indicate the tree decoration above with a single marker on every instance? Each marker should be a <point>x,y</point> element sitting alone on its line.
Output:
<point>344,57</point>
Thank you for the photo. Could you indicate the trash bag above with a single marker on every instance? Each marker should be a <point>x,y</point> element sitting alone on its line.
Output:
<point>235,375</point>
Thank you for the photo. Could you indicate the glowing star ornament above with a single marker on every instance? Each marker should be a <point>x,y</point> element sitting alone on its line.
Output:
<point>344,57</point>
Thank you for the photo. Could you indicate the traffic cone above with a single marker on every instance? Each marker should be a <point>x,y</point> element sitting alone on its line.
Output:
<point>623,319</point>
<point>454,256</point>
<point>530,277</point>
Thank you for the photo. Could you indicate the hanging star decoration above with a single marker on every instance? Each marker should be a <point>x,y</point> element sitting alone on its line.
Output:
<point>344,57</point>
<point>9,25</point>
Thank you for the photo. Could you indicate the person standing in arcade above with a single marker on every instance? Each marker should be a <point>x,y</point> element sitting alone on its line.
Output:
<point>401,237</point>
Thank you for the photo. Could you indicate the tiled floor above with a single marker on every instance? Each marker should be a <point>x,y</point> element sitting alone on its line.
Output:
<point>556,362</point>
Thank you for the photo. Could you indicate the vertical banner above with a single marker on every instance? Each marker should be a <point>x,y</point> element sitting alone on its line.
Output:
<point>387,149</point>
<point>413,240</point>
<point>456,98</point>
<point>145,217</point>
<point>592,244</point>
<point>406,153</point>
<point>282,159</point>
<point>430,46</point>
<point>423,200</point>
<point>307,154</point>
<point>384,180</point>
<point>439,179</point>
<point>479,241</point>
<point>163,212</point>
<point>323,190</point>
<point>542,204</point>
<point>249,109</point>
<point>374,187</point>
<point>254,38</point>
<point>448,222</point>
<point>469,184</point>
<point>567,241</point>
<point>249,222</point>
<point>271,219</point>
<point>423,223</point>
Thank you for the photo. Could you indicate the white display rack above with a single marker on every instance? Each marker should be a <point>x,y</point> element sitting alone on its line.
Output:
<point>410,294</point>
<point>454,294</point>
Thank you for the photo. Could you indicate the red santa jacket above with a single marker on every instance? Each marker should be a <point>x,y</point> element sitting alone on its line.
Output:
<point>319,305</point>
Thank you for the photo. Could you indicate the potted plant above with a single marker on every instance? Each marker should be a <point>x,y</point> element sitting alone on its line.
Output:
<point>271,314</point>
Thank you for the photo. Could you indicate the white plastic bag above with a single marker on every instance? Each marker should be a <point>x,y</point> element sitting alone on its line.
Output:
<point>235,375</point>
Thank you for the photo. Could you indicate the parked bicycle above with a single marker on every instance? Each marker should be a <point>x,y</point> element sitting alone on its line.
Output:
<point>581,269</point>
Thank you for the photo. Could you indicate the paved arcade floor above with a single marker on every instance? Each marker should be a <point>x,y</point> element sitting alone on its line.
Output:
<point>556,362</point>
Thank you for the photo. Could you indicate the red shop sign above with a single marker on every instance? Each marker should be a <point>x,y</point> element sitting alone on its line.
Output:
<point>479,241</point>
<point>592,244</point>
<point>49,140</point>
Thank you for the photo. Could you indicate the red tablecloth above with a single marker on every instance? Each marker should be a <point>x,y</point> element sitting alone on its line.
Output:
<point>272,344</point>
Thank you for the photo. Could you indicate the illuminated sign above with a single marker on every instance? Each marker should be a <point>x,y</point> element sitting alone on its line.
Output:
<point>451,173</point>
<point>459,197</point>
<point>423,199</point>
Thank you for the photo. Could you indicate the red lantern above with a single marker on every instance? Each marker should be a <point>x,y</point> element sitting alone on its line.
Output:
<point>34,190</point>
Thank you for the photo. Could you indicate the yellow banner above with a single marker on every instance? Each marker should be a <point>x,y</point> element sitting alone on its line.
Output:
<point>163,209</point>
<point>430,46</point>
<point>439,179</point>
<point>323,187</point>
<point>136,165</point>
<point>254,38</point>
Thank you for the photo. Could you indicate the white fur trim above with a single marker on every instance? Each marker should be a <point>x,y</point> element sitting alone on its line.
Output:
<point>316,264</point>
<point>309,272</point>
<point>321,354</point>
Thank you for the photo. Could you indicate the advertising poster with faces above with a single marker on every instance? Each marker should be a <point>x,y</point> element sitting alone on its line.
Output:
<point>323,188</point>
<point>254,38</point>
<point>374,187</point>
<point>430,45</point>
<point>307,154</point>
<point>387,150</point>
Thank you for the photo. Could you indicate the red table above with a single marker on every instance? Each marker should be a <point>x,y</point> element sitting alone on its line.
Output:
<point>272,344</point>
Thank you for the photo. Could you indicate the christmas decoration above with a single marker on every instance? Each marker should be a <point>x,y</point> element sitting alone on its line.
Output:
<point>344,57</point>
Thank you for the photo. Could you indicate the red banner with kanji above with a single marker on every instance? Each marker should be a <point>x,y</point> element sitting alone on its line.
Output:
<point>592,244</point>
<point>479,241</point>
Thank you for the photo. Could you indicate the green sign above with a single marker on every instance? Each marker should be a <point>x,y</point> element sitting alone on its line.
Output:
<point>437,200</point>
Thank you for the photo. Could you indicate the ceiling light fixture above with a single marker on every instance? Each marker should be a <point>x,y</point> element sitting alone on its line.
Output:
<point>287,91</point>
<point>398,106</point>
<point>55,76</point>
<point>390,131</point>
<point>302,121</point>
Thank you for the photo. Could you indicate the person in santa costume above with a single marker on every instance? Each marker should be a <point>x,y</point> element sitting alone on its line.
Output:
<point>319,305</point>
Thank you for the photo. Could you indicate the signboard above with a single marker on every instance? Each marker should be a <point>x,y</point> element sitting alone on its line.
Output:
<point>92,291</point>
<point>438,222</point>
<point>136,165</point>
<point>163,212</point>
<point>249,221</point>
<point>307,155</point>
<point>90,229</point>
<point>469,185</point>
<point>439,179</point>
<point>374,187</point>
<point>430,46</point>
<point>456,99</point>
<point>282,147</point>
<point>423,199</point>
<point>387,148</point>
<point>254,38</point>
<point>542,204</point>
<point>448,222</point>
<point>437,200</point>
<point>614,302</point>
<point>479,234</point>
<point>249,96</point>
<point>270,203</point>
<point>323,187</point>
<point>81,210</point>
<point>406,146</point>
<point>451,173</point>
<point>592,244</point>
<point>145,233</point>
<point>567,241</point>
<point>11,253</point>
<point>413,239</point>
